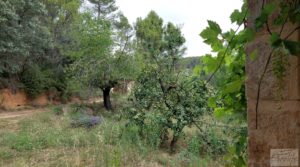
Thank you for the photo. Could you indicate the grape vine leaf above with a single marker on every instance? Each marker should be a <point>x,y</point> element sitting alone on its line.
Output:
<point>275,40</point>
<point>234,86</point>
<point>292,46</point>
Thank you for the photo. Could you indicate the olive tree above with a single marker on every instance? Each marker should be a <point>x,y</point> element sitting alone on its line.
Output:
<point>102,51</point>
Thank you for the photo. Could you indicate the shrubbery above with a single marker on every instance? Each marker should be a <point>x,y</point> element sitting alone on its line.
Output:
<point>57,110</point>
<point>37,80</point>
<point>156,112</point>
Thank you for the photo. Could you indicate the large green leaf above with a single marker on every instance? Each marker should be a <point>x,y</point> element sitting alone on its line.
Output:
<point>263,18</point>
<point>234,86</point>
<point>212,102</point>
<point>269,8</point>
<point>275,40</point>
<point>210,62</point>
<point>214,26</point>
<point>292,46</point>
<point>236,16</point>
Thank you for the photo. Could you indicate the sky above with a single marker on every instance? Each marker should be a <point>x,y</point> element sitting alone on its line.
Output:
<point>192,15</point>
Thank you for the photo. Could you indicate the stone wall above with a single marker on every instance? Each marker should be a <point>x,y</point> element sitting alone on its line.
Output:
<point>276,125</point>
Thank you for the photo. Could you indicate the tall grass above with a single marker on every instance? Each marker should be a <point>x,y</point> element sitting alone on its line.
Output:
<point>48,139</point>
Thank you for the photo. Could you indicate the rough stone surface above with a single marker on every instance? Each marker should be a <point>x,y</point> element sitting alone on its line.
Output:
<point>277,122</point>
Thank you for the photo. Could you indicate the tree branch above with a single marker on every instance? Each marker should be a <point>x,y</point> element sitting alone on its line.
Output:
<point>259,87</point>
<point>291,33</point>
<point>227,49</point>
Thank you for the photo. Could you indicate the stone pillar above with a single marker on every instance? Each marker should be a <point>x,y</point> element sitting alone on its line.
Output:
<point>277,124</point>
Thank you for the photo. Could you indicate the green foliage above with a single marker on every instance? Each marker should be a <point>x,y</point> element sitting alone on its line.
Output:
<point>211,35</point>
<point>28,42</point>
<point>102,50</point>
<point>212,142</point>
<point>228,70</point>
<point>188,63</point>
<point>37,80</point>
<point>230,102</point>
<point>23,35</point>
<point>148,127</point>
<point>194,146</point>
<point>229,81</point>
<point>237,154</point>
<point>155,112</point>
<point>292,46</point>
<point>104,7</point>
<point>237,17</point>
<point>57,110</point>
<point>162,96</point>
<point>266,12</point>
<point>34,81</point>
<point>6,154</point>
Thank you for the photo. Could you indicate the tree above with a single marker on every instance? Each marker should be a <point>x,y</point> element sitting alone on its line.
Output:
<point>104,7</point>
<point>61,15</point>
<point>173,98</point>
<point>102,54</point>
<point>24,37</point>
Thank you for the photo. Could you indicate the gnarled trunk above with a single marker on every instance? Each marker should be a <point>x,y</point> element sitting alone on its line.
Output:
<point>106,98</point>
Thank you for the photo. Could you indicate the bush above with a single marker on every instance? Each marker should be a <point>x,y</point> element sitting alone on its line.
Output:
<point>174,107</point>
<point>57,110</point>
<point>130,134</point>
<point>37,80</point>
<point>34,81</point>
<point>213,143</point>
<point>150,127</point>
<point>154,133</point>
<point>24,142</point>
<point>194,146</point>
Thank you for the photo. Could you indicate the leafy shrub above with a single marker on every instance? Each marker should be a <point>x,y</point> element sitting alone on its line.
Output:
<point>175,108</point>
<point>57,110</point>
<point>154,132</point>
<point>237,152</point>
<point>37,80</point>
<point>148,126</point>
<point>212,143</point>
<point>34,80</point>
<point>130,134</point>
<point>23,142</point>
<point>194,145</point>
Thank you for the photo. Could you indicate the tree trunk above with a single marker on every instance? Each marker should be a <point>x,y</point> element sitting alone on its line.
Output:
<point>173,144</point>
<point>106,98</point>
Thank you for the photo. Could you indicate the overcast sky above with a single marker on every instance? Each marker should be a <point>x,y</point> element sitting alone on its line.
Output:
<point>192,14</point>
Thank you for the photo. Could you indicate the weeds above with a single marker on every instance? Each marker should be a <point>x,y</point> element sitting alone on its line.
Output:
<point>48,140</point>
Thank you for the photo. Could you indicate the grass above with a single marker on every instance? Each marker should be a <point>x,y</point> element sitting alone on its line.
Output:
<point>47,139</point>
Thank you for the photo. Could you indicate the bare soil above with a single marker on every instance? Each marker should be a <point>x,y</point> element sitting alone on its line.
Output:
<point>21,113</point>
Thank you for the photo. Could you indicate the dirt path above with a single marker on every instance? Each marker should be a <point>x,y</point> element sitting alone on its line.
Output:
<point>31,111</point>
<point>22,113</point>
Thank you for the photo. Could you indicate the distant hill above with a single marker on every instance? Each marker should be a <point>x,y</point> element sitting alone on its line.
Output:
<point>189,63</point>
